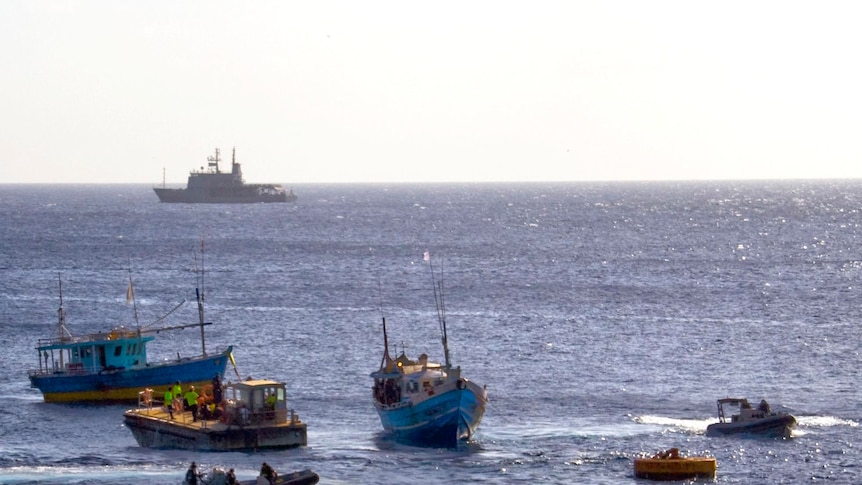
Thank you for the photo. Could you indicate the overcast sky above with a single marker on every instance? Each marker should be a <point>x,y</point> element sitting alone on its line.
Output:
<point>409,91</point>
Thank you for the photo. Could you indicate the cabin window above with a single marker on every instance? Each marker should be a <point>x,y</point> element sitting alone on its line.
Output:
<point>118,350</point>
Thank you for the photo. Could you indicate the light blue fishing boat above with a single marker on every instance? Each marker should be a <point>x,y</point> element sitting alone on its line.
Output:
<point>112,366</point>
<point>426,403</point>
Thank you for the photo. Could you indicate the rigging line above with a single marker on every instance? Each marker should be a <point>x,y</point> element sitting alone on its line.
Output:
<point>445,337</point>
<point>442,301</point>
<point>434,287</point>
<point>166,314</point>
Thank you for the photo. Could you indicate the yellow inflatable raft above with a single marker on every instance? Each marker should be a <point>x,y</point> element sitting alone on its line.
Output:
<point>668,465</point>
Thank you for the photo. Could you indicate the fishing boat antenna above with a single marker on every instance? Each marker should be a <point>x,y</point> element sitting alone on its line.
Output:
<point>62,330</point>
<point>441,308</point>
<point>386,357</point>
<point>199,293</point>
<point>63,333</point>
<point>130,296</point>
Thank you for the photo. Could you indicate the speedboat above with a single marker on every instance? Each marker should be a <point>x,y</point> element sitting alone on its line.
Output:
<point>760,421</point>
<point>217,476</point>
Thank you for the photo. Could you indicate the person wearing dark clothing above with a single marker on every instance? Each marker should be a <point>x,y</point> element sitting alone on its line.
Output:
<point>230,478</point>
<point>267,472</point>
<point>192,475</point>
<point>217,389</point>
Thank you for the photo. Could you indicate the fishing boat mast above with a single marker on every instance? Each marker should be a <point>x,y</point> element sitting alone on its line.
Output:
<point>386,358</point>
<point>441,308</point>
<point>61,319</point>
<point>199,293</point>
<point>130,298</point>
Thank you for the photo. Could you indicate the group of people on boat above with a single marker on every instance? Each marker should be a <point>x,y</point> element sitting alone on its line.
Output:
<point>763,408</point>
<point>387,391</point>
<point>268,475</point>
<point>208,405</point>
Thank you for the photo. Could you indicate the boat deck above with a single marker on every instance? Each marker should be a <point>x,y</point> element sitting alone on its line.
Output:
<point>182,419</point>
<point>154,428</point>
<point>185,420</point>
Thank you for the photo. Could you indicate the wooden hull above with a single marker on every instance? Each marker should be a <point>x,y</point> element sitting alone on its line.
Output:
<point>154,428</point>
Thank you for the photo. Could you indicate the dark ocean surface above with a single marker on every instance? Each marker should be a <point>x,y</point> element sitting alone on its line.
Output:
<point>605,319</point>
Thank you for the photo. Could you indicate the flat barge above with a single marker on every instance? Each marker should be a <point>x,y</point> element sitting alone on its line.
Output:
<point>252,415</point>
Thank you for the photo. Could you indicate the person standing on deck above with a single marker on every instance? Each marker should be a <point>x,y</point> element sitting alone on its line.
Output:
<point>217,395</point>
<point>169,402</point>
<point>178,397</point>
<point>192,401</point>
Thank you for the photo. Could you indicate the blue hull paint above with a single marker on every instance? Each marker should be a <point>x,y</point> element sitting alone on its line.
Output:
<point>442,420</point>
<point>124,385</point>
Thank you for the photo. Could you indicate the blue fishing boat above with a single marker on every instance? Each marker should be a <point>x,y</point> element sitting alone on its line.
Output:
<point>427,403</point>
<point>112,366</point>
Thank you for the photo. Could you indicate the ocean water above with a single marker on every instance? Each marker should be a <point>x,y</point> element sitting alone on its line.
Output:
<point>605,319</point>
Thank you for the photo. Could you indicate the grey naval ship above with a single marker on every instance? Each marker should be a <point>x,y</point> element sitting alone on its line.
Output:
<point>213,186</point>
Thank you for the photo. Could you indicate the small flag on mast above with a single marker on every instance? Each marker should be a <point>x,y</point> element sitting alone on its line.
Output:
<point>426,256</point>
<point>130,293</point>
